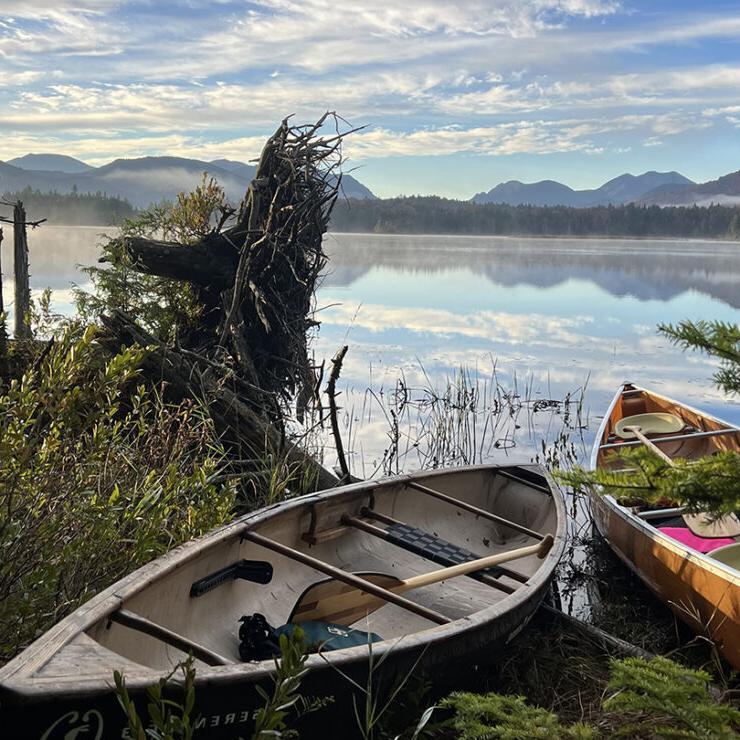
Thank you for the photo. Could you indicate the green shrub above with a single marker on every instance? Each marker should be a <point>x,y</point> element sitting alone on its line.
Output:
<point>97,476</point>
<point>165,307</point>
<point>661,699</point>
<point>494,717</point>
<point>168,719</point>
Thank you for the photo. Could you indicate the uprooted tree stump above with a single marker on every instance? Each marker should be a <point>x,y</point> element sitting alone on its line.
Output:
<point>256,280</point>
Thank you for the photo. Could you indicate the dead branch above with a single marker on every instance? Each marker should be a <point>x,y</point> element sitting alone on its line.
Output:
<point>331,392</point>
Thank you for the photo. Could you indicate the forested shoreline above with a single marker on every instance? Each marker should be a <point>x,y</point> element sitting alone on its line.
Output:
<point>74,209</point>
<point>435,215</point>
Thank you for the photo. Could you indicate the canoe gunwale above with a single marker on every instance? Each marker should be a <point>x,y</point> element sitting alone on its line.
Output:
<point>17,677</point>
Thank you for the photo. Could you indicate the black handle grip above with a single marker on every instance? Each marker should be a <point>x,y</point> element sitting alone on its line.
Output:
<point>257,571</point>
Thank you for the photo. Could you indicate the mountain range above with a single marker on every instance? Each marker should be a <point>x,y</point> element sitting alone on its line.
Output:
<point>623,189</point>
<point>723,191</point>
<point>148,180</point>
<point>141,181</point>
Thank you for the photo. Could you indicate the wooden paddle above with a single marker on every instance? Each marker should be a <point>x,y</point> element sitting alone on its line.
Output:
<point>340,603</point>
<point>724,526</point>
<point>637,431</point>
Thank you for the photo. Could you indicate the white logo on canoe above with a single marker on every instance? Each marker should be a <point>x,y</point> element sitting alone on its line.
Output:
<point>336,631</point>
<point>73,726</point>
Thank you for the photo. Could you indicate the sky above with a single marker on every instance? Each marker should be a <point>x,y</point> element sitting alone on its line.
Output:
<point>454,97</point>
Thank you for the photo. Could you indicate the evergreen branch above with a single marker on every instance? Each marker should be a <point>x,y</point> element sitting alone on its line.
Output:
<point>710,484</point>
<point>660,698</point>
<point>714,338</point>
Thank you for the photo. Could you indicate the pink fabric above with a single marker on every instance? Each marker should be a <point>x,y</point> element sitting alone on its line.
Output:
<point>703,544</point>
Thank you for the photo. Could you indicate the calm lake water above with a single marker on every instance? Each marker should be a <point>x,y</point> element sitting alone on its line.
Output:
<point>555,317</point>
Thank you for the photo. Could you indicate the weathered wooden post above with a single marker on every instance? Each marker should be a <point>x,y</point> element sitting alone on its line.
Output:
<point>3,327</point>
<point>20,257</point>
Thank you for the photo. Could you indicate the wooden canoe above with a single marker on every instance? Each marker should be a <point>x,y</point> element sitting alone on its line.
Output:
<point>701,590</point>
<point>148,622</point>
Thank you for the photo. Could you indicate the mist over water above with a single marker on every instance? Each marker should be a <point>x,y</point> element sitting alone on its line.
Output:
<point>553,316</point>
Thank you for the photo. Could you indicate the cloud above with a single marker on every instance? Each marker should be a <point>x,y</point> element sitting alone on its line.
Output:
<point>478,77</point>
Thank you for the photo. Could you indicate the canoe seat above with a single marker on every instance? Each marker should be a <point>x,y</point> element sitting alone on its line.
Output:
<point>435,549</point>
<point>655,423</point>
<point>729,555</point>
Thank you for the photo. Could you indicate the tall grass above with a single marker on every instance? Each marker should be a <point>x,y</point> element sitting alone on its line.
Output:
<point>97,476</point>
<point>464,418</point>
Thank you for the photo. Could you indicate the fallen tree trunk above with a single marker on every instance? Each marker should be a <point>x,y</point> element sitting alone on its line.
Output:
<point>241,424</point>
<point>211,264</point>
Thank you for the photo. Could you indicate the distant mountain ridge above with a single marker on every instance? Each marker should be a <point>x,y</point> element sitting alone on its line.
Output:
<point>724,191</point>
<point>625,188</point>
<point>50,163</point>
<point>141,181</point>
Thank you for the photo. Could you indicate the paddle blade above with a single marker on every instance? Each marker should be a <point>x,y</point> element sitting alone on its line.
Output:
<point>337,602</point>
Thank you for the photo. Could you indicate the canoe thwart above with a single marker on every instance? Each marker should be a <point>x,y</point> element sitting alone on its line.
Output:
<point>661,513</point>
<point>672,438</point>
<point>142,624</point>
<point>257,571</point>
<point>348,578</point>
<point>475,509</point>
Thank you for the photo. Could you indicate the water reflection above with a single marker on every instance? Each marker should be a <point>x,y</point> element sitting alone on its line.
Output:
<point>645,269</point>
<point>552,315</point>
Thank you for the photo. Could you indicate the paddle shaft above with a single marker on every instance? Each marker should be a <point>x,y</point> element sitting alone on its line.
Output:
<point>331,601</point>
<point>426,579</point>
<point>372,514</point>
<point>649,443</point>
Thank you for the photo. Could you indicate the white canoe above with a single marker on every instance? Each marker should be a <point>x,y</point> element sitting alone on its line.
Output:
<point>147,622</point>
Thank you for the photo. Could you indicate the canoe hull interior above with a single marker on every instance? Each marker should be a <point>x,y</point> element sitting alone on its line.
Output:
<point>699,590</point>
<point>483,618</point>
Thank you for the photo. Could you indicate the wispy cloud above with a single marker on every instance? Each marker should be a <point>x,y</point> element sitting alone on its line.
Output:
<point>492,78</point>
